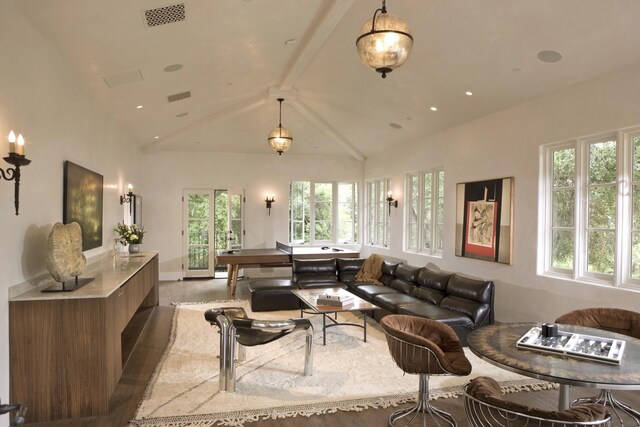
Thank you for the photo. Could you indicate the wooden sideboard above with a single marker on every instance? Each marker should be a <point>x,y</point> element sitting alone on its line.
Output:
<point>67,350</point>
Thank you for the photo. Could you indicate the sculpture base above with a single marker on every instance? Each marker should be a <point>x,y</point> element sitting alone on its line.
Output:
<point>69,285</point>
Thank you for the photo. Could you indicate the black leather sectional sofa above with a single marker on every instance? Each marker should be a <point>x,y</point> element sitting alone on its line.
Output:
<point>462,303</point>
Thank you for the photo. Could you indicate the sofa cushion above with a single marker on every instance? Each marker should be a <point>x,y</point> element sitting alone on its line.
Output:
<point>403,286</point>
<point>470,289</point>
<point>314,270</point>
<point>369,291</point>
<point>315,285</point>
<point>389,268</point>
<point>435,312</point>
<point>431,279</point>
<point>478,312</point>
<point>393,301</point>
<point>427,294</point>
<point>408,273</point>
<point>348,268</point>
<point>386,279</point>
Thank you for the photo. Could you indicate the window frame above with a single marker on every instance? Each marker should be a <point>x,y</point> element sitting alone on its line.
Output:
<point>623,251</point>
<point>310,186</point>
<point>436,218</point>
<point>380,225</point>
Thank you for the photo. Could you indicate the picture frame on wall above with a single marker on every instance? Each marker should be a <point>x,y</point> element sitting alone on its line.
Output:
<point>82,202</point>
<point>137,210</point>
<point>484,220</point>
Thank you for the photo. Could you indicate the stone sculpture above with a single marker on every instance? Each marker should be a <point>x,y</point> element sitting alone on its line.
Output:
<point>64,252</point>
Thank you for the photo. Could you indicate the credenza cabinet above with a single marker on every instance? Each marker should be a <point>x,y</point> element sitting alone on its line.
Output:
<point>68,350</point>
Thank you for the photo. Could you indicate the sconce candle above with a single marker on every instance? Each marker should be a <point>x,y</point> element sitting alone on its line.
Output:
<point>12,142</point>
<point>392,202</point>
<point>20,146</point>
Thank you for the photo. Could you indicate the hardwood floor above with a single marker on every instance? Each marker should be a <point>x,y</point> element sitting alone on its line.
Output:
<point>154,339</point>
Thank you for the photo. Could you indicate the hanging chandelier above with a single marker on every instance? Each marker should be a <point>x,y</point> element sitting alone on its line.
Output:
<point>280,138</point>
<point>385,41</point>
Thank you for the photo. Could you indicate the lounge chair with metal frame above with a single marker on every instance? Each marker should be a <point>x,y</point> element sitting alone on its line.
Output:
<point>485,407</point>
<point>613,320</point>
<point>236,328</point>
<point>425,347</point>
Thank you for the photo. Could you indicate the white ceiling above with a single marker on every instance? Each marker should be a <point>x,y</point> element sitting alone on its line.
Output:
<point>235,63</point>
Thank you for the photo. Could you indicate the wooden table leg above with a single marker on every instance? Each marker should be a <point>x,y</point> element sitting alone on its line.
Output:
<point>229,273</point>
<point>234,281</point>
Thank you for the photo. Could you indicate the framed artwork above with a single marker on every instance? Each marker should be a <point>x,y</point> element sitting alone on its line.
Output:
<point>82,203</point>
<point>484,220</point>
<point>137,210</point>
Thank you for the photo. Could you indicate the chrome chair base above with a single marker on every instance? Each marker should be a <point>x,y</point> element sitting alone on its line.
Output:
<point>606,398</point>
<point>423,408</point>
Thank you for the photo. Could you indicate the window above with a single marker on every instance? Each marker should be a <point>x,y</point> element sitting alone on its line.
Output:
<point>424,211</point>
<point>378,222</point>
<point>322,212</point>
<point>592,230</point>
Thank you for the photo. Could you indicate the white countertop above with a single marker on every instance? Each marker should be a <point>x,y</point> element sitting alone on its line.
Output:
<point>109,274</point>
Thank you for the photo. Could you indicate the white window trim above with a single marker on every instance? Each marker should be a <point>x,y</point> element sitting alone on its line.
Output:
<point>380,241</point>
<point>621,276</point>
<point>334,212</point>
<point>435,182</point>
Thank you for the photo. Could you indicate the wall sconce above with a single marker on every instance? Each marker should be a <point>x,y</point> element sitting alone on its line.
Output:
<point>269,199</point>
<point>128,197</point>
<point>15,158</point>
<point>392,202</point>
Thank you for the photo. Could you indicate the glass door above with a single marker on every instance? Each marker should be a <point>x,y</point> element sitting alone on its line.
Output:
<point>228,224</point>
<point>197,233</point>
<point>236,230</point>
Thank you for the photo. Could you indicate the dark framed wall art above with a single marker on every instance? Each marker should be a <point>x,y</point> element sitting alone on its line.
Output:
<point>484,220</point>
<point>82,202</point>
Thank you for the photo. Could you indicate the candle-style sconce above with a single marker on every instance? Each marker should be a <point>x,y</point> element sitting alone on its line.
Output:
<point>269,199</point>
<point>128,198</point>
<point>17,159</point>
<point>392,202</point>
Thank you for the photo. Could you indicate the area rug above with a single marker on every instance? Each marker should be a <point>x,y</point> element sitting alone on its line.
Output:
<point>348,375</point>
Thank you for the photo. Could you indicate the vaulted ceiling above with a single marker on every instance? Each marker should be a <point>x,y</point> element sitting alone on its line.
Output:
<point>223,65</point>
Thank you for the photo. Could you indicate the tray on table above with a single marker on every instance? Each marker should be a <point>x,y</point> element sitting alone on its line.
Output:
<point>590,347</point>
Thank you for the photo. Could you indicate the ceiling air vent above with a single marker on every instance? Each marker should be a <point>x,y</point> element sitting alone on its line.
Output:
<point>164,15</point>
<point>178,96</point>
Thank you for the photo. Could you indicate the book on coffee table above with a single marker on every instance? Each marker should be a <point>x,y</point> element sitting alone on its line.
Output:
<point>334,299</point>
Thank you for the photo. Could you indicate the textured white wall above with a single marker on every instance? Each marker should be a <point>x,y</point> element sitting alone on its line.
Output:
<point>166,174</point>
<point>507,144</point>
<point>42,98</point>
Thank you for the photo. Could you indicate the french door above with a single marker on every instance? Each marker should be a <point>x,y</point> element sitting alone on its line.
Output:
<point>213,220</point>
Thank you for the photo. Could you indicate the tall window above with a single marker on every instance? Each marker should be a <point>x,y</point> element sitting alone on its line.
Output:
<point>592,230</point>
<point>321,212</point>
<point>378,227</point>
<point>424,211</point>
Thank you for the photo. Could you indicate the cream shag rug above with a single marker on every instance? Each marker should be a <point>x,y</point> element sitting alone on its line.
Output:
<point>348,375</point>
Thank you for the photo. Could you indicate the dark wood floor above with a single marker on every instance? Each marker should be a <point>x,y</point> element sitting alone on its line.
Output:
<point>154,339</point>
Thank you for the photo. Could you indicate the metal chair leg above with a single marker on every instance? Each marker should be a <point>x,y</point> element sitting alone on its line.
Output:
<point>422,407</point>
<point>308,352</point>
<point>223,326</point>
<point>231,361</point>
<point>606,398</point>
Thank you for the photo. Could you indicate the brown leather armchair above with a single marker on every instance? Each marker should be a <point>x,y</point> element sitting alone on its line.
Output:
<point>424,347</point>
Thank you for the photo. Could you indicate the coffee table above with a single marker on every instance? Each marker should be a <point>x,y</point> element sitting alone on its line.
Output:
<point>309,298</point>
<point>497,345</point>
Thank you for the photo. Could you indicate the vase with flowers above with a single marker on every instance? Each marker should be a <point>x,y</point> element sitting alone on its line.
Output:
<point>130,235</point>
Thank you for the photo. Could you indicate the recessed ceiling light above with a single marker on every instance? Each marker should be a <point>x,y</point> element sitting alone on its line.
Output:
<point>139,107</point>
<point>182,114</point>
<point>549,56</point>
<point>468,93</point>
<point>173,67</point>
<point>409,118</point>
<point>156,137</point>
<point>229,83</point>
<point>196,142</point>
<point>516,70</point>
<point>290,42</point>
<point>434,108</point>
<point>395,125</point>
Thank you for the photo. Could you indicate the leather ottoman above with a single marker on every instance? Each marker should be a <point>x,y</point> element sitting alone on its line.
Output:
<point>272,295</point>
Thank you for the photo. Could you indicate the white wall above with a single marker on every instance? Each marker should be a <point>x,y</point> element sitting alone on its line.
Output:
<point>166,174</point>
<point>507,144</point>
<point>42,98</point>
